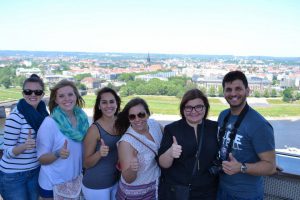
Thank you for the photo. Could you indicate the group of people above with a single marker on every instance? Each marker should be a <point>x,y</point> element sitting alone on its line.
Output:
<point>124,154</point>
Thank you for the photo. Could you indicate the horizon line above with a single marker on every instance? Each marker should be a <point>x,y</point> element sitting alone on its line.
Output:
<point>188,54</point>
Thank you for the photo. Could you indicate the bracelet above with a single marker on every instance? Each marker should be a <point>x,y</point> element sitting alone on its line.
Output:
<point>57,153</point>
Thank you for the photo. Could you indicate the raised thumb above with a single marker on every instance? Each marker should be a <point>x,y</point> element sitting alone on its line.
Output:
<point>102,142</point>
<point>231,158</point>
<point>174,140</point>
<point>29,134</point>
<point>65,144</point>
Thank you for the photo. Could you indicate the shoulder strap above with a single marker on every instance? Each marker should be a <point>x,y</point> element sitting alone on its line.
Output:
<point>199,147</point>
<point>142,143</point>
<point>98,127</point>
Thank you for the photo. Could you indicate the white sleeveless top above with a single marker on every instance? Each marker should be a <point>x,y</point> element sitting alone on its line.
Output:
<point>148,167</point>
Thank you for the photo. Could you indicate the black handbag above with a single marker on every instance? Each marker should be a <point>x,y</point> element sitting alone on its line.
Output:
<point>180,192</point>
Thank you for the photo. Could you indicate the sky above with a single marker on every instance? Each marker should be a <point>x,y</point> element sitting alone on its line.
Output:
<point>210,27</point>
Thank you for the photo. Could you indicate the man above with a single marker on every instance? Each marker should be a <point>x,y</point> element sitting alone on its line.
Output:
<point>246,139</point>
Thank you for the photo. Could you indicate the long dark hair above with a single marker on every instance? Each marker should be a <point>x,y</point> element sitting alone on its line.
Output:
<point>97,112</point>
<point>190,95</point>
<point>122,122</point>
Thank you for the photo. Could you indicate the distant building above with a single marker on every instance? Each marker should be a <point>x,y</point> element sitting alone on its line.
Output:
<point>91,83</point>
<point>53,79</point>
<point>28,72</point>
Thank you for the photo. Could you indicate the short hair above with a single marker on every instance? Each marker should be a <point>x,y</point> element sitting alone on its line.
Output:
<point>97,112</point>
<point>122,122</point>
<point>190,95</point>
<point>235,75</point>
<point>34,79</point>
<point>63,83</point>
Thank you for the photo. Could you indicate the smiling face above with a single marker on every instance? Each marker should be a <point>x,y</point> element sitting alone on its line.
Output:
<point>108,104</point>
<point>138,118</point>
<point>236,94</point>
<point>66,98</point>
<point>194,111</point>
<point>33,99</point>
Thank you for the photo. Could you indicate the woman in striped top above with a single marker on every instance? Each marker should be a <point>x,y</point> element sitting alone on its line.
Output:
<point>19,166</point>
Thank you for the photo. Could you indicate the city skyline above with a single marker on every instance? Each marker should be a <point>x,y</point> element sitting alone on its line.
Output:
<point>242,28</point>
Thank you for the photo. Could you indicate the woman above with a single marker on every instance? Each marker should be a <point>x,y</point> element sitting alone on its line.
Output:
<point>19,166</point>
<point>59,143</point>
<point>137,151</point>
<point>100,149</point>
<point>179,146</point>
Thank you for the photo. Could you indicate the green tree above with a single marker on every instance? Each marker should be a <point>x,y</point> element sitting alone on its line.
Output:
<point>266,93</point>
<point>273,93</point>
<point>212,91</point>
<point>287,95</point>
<point>79,77</point>
<point>6,82</point>
<point>256,93</point>
<point>126,77</point>
<point>220,91</point>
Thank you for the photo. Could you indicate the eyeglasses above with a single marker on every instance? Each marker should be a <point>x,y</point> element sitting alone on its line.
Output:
<point>198,108</point>
<point>140,115</point>
<point>36,92</point>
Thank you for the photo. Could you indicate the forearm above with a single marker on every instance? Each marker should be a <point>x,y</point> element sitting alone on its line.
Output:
<point>129,175</point>
<point>261,168</point>
<point>17,150</point>
<point>92,160</point>
<point>48,158</point>
<point>166,160</point>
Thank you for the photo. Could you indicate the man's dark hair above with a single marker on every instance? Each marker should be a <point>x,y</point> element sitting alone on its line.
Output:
<point>235,75</point>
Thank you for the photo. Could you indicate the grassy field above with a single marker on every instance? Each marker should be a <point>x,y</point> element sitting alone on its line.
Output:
<point>170,105</point>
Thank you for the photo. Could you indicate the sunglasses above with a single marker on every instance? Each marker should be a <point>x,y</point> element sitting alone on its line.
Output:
<point>140,115</point>
<point>36,92</point>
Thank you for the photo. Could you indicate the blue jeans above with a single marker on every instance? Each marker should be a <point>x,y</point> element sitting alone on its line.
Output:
<point>225,195</point>
<point>19,185</point>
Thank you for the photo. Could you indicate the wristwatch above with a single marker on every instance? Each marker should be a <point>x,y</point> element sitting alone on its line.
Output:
<point>243,168</point>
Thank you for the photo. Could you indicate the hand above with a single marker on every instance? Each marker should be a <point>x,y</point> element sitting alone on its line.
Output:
<point>175,150</point>
<point>104,149</point>
<point>232,166</point>
<point>64,152</point>
<point>134,163</point>
<point>29,143</point>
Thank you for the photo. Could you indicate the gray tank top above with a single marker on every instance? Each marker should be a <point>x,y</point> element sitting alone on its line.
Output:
<point>104,174</point>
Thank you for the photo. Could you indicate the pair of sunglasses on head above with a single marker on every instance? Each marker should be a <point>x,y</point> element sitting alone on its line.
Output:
<point>36,92</point>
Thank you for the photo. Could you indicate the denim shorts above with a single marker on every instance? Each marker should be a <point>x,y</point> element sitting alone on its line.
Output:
<point>19,185</point>
<point>45,193</point>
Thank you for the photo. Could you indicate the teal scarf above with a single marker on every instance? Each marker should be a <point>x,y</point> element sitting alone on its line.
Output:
<point>65,126</point>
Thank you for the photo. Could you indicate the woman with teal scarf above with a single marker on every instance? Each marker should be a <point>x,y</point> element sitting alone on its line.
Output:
<point>59,143</point>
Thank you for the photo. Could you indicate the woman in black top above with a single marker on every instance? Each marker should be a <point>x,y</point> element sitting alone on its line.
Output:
<point>179,145</point>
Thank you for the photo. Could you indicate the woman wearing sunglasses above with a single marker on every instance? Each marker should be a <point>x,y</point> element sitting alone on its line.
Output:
<point>19,166</point>
<point>137,152</point>
<point>100,149</point>
<point>181,166</point>
<point>59,143</point>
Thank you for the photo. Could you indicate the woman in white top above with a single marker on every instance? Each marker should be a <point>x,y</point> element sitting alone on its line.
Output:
<point>59,142</point>
<point>137,151</point>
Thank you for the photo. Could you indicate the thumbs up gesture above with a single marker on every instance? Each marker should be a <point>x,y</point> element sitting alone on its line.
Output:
<point>64,152</point>
<point>175,150</point>
<point>232,166</point>
<point>29,143</point>
<point>104,149</point>
<point>134,163</point>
